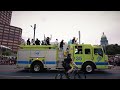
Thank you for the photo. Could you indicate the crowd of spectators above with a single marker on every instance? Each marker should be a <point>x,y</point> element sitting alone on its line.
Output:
<point>7,60</point>
<point>114,60</point>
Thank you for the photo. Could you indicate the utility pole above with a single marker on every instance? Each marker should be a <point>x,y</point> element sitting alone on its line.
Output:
<point>34,31</point>
<point>79,36</point>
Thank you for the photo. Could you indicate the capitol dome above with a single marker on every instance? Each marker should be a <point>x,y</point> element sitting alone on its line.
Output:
<point>104,40</point>
<point>103,36</point>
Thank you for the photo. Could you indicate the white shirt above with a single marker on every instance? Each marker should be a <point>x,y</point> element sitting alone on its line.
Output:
<point>56,42</point>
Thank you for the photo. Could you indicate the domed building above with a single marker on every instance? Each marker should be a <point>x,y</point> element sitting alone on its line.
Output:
<point>104,40</point>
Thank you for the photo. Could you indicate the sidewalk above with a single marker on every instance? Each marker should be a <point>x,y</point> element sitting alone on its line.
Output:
<point>116,68</point>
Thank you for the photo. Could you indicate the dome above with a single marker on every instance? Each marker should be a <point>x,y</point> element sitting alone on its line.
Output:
<point>104,40</point>
<point>103,36</point>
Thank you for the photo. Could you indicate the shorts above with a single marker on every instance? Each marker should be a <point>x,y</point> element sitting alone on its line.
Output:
<point>68,67</point>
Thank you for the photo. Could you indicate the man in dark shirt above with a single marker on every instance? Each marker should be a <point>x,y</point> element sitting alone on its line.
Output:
<point>37,42</point>
<point>61,44</point>
<point>73,40</point>
<point>28,41</point>
<point>68,62</point>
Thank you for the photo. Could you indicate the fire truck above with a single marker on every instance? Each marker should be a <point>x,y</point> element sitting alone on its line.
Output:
<point>39,57</point>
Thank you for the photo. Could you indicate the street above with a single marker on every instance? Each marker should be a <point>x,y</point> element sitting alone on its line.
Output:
<point>9,72</point>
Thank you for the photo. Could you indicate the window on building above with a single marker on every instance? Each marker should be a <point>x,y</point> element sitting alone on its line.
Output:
<point>7,26</point>
<point>10,41</point>
<point>17,31</point>
<point>4,37</point>
<point>11,35</point>
<point>10,38</point>
<point>12,30</point>
<point>5,34</point>
<point>16,42</point>
<point>17,34</point>
<point>6,29</point>
<point>5,43</point>
<point>1,27</point>
<point>0,36</point>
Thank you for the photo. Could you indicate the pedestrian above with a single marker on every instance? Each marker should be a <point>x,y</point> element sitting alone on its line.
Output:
<point>47,40</point>
<point>42,43</point>
<point>61,44</point>
<point>73,40</point>
<point>32,42</point>
<point>37,42</point>
<point>69,42</point>
<point>56,42</point>
<point>28,41</point>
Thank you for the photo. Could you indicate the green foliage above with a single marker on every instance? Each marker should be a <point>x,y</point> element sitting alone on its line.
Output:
<point>7,53</point>
<point>113,49</point>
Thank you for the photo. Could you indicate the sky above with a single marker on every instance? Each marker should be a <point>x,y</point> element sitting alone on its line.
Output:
<point>66,24</point>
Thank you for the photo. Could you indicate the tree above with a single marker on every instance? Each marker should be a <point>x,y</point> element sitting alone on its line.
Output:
<point>7,53</point>
<point>112,49</point>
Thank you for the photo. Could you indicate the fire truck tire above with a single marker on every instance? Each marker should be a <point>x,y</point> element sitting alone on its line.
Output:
<point>88,68</point>
<point>36,67</point>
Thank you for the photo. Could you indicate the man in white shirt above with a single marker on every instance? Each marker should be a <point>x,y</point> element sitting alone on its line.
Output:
<point>56,42</point>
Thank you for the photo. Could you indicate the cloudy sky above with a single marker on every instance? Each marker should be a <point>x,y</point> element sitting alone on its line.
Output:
<point>66,24</point>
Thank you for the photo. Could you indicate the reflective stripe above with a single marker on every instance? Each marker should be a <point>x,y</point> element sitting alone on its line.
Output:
<point>22,62</point>
<point>101,63</point>
<point>54,62</point>
<point>78,63</point>
<point>97,63</point>
<point>50,62</point>
<point>28,62</point>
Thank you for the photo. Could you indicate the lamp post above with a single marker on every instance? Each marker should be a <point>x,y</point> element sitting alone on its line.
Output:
<point>34,31</point>
<point>79,37</point>
<point>77,27</point>
<point>105,48</point>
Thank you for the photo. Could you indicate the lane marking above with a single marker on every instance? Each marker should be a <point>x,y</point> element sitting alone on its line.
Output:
<point>13,76</point>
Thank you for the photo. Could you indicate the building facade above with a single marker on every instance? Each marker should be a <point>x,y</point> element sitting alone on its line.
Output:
<point>10,36</point>
<point>5,17</point>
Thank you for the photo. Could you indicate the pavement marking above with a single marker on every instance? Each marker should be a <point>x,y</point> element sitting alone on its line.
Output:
<point>13,76</point>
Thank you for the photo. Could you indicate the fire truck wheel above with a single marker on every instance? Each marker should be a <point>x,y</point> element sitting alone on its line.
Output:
<point>36,67</point>
<point>88,68</point>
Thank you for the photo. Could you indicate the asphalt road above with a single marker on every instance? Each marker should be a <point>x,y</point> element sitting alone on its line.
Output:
<point>9,72</point>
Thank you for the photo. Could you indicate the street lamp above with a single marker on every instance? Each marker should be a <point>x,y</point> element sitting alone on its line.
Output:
<point>104,48</point>
<point>79,36</point>
<point>77,27</point>
<point>34,31</point>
